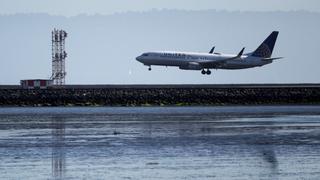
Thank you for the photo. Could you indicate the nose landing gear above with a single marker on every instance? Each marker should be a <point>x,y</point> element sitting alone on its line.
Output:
<point>149,68</point>
<point>208,72</point>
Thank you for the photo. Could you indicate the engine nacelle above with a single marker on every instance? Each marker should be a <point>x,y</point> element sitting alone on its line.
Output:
<point>191,66</point>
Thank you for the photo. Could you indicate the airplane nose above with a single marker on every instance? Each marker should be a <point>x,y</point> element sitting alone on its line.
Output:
<point>139,58</point>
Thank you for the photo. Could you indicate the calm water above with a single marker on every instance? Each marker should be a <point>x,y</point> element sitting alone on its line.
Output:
<point>243,142</point>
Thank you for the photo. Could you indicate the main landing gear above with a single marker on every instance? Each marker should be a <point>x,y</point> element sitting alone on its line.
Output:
<point>149,68</point>
<point>208,72</point>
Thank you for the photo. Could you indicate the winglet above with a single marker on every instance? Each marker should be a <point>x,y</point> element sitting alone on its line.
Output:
<point>212,50</point>
<point>241,52</point>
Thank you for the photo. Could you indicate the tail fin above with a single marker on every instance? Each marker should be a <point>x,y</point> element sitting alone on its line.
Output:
<point>266,48</point>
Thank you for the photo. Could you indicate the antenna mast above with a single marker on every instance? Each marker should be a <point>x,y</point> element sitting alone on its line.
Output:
<point>58,57</point>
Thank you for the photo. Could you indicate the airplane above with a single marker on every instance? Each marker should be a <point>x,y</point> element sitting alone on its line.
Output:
<point>213,60</point>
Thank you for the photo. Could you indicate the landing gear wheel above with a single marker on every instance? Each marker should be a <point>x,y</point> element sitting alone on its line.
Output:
<point>203,72</point>
<point>208,72</point>
<point>149,68</point>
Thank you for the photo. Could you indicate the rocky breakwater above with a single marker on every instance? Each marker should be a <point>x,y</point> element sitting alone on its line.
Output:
<point>161,95</point>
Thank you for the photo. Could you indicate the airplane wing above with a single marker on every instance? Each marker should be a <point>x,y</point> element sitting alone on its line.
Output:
<point>217,62</point>
<point>271,59</point>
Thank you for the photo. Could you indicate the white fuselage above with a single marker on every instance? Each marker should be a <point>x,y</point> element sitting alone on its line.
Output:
<point>191,61</point>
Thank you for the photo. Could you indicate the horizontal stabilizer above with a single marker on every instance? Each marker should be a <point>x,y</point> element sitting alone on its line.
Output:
<point>271,59</point>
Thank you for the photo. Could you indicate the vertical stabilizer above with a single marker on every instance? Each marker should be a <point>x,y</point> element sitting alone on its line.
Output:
<point>266,48</point>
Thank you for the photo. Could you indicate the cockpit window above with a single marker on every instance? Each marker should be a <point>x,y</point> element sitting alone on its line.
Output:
<point>145,54</point>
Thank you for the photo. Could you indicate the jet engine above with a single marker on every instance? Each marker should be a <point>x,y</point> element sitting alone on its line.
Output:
<point>191,66</point>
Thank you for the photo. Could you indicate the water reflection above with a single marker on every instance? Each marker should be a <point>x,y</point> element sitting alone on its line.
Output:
<point>267,152</point>
<point>270,157</point>
<point>58,148</point>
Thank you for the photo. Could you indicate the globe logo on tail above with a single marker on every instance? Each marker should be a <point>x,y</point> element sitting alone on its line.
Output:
<point>263,51</point>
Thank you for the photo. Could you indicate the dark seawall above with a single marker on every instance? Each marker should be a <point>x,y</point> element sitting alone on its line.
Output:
<point>144,95</point>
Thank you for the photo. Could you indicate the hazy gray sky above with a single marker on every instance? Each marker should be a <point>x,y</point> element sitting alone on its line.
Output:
<point>75,7</point>
<point>102,49</point>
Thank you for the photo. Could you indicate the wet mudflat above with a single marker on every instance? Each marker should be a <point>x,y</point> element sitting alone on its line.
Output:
<point>233,142</point>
